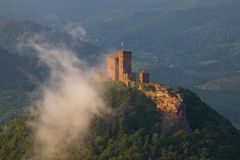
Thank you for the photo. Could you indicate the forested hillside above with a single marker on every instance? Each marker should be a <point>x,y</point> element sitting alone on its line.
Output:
<point>133,132</point>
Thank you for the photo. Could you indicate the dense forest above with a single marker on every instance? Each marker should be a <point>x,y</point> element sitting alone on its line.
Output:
<point>133,132</point>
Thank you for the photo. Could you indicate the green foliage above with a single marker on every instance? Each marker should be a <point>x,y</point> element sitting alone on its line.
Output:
<point>213,137</point>
<point>132,110</point>
<point>201,115</point>
<point>226,103</point>
<point>15,140</point>
<point>131,131</point>
<point>148,87</point>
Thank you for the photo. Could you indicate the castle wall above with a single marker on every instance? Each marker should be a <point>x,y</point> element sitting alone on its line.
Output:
<point>125,64</point>
<point>144,77</point>
<point>120,69</point>
<point>113,67</point>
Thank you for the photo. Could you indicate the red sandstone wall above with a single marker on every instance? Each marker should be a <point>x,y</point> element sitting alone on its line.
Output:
<point>125,63</point>
<point>144,77</point>
<point>113,68</point>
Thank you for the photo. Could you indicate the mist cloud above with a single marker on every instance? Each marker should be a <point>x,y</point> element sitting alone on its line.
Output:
<point>76,31</point>
<point>67,103</point>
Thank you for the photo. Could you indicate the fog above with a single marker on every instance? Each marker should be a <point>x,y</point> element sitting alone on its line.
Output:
<point>66,104</point>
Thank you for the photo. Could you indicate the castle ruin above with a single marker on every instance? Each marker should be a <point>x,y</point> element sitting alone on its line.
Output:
<point>120,69</point>
<point>171,103</point>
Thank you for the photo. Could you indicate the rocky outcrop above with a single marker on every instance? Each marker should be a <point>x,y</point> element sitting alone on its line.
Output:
<point>171,105</point>
<point>167,100</point>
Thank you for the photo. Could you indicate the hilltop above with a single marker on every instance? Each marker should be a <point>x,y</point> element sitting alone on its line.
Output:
<point>198,45</point>
<point>134,131</point>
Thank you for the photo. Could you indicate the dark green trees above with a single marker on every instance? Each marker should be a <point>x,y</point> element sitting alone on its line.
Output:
<point>131,132</point>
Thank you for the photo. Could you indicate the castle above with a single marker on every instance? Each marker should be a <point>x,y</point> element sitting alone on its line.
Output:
<point>120,69</point>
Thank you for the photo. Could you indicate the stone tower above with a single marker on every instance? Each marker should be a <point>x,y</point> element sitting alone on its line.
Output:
<point>113,67</point>
<point>120,67</point>
<point>125,64</point>
<point>144,77</point>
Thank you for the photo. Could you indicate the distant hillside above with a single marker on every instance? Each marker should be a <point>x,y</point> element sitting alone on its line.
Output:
<point>16,70</point>
<point>18,65</point>
<point>231,84</point>
<point>225,102</point>
<point>13,103</point>
<point>199,43</point>
<point>20,70</point>
<point>14,32</point>
<point>197,39</point>
<point>133,133</point>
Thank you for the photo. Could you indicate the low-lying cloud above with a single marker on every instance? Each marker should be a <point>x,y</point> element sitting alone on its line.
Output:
<point>67,103</point>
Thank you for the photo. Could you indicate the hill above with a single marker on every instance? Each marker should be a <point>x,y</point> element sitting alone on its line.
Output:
<point>231,84</point>
<point>14,33</point>
<point>19,63</point>
<point>134,132</point>
<point>14,70</point>
<point>187,43</point>
<point>190,46</point>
